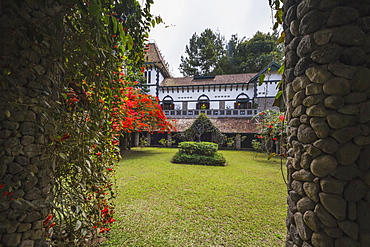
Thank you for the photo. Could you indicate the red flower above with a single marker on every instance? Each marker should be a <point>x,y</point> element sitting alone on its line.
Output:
<point>98,154</point>
<point>7,193</point>
<point>109,169</point>
<point>47,220</point>
<point>270,126</point>
<point>274,138</point>
<point>65,137</point>
<point>51,225</point>
<point>262,113</point>
<point>281,118</point>
<point>2,186</point>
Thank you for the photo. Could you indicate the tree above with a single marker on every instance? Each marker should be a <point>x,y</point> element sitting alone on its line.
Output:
<point>327,96</point>
<point>210,54</point>
<point>201,125</point>
<point>254,54</point>
<point>203,52</point>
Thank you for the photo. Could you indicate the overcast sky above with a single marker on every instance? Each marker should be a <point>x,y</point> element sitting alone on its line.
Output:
<point>185,17</point>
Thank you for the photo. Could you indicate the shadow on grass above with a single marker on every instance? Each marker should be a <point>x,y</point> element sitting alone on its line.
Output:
<point>137,153</point>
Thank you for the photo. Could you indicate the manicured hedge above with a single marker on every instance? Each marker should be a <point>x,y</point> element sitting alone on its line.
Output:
<point>202,148</point>
<point>200,153</point>
<point>216,160</point>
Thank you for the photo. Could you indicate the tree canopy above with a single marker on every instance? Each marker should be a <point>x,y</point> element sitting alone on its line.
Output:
<point>209,53</point>
<point>204,53</point>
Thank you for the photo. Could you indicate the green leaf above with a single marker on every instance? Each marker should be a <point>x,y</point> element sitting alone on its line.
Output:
<point>261,79</point>
<point>95,9</point>
<point>63,156</point>
<point>279,84</point>
<point>278,94</point>
<point>271,156</point>
<point>115,25</point>
<point>281,69</point>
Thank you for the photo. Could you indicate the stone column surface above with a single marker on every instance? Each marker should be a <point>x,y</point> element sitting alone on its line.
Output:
<point>27,94</point>
<point>327,96</point>
<point>238,143</point>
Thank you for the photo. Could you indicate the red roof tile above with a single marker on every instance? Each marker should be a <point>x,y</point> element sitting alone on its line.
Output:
<point>219,79</point>
<point>225,125</point>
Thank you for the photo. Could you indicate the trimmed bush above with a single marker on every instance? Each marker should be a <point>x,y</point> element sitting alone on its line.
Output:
<point>202,148</point>
<point>199,153</point>
<point>216,160</point>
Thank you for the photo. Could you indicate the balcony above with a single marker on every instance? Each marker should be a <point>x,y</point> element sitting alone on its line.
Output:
<point>212,113</point>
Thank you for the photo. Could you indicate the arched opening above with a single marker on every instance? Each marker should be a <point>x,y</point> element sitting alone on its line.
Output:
<point>167,103</point>
<point>203,102</point>
<point>243,102</point>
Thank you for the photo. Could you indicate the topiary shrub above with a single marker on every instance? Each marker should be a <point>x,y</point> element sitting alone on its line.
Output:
<point>202,148</point>
<point>199,153</point>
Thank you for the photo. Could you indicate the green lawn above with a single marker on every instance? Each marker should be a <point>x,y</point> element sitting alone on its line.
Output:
<point>165,204</point>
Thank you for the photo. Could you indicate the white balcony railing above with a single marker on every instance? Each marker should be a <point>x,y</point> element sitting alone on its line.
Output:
<point>212,113</point>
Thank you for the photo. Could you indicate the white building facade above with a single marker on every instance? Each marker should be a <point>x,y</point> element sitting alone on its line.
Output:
<point>225,98</point>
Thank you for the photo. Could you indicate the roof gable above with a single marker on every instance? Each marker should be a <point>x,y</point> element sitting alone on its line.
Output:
<point>272,66</point>
<point>153,57</point>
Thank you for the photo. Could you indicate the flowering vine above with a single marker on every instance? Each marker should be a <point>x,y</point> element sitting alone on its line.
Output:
<point>271,130</point>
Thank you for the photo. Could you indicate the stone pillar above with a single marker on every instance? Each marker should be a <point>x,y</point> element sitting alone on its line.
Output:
<point>327,92</point>
<point>169,140</point>
<point>27,111</point>
<point>136,139</point>
<point>149,136</point>
<point>238,143</point>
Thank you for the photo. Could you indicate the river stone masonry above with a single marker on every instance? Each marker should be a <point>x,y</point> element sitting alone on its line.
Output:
<point>27,113</point>
<point>327,92</point>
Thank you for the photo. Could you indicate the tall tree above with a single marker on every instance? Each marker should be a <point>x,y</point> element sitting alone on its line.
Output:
<point>254,54</point>
<point>204,52</point>
<point>210,54</point>
<point>327,94</point>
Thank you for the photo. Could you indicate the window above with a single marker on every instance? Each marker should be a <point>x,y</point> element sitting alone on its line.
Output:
<point>243,102</point>
<point>203,102</point>
<point>167,103</point>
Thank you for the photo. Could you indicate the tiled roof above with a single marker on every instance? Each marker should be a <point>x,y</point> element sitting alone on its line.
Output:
<point>225,125</point>
<point>218,79</point>
<point>154,57</point>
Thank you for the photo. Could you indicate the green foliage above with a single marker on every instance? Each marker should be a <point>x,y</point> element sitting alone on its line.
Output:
<point>231,142</point>
<point>271,129</point>
<point>143,141</point>
<point>256,145</point>
<point>166,142</point>
<point>232,57</point>
<point>201,148</point>
<point>203,52</point>
<point>201,153</point>
<point>254,54</point>
<point>202,124</point>
<point>183,158</point>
